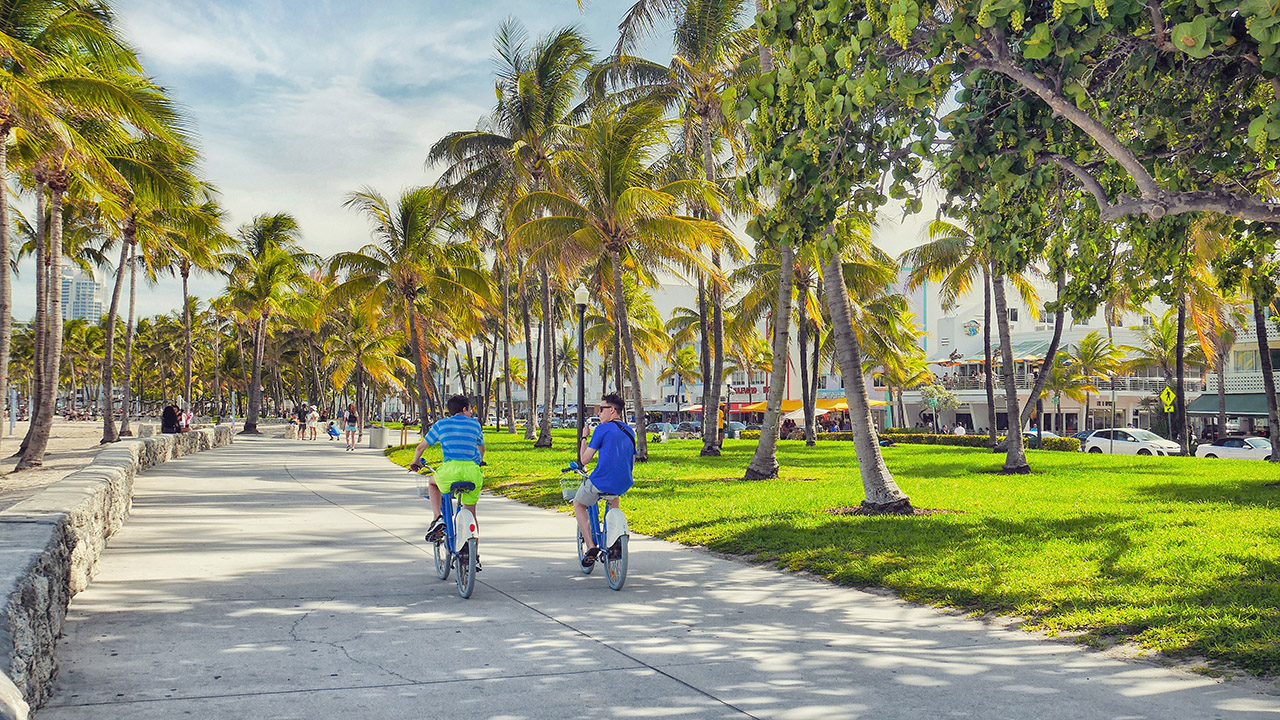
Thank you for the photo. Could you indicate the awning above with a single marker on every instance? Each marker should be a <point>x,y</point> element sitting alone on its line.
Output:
<point>799,414</point>
<point>836,405</point>
<point>1238,404</point>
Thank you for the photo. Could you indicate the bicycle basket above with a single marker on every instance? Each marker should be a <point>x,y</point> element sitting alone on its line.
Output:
<point>569,484</point>
<point>424,481</point>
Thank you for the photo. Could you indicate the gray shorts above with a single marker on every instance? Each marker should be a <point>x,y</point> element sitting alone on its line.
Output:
<point>587,494</point>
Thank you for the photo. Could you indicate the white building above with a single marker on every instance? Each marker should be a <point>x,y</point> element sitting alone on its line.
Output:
<point>81,295</point>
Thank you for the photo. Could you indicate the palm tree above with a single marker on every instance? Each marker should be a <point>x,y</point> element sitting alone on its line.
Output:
<point>712,53</point>
<point>199,242</point>
<point>265,269</point>
<point>1064,377</point>
<point>1095,357</point>
<point>683,367</point>
<point>415,265</point>
<point>954,258</point>
<point>537,85</point>
<point>619,214</point>
<point>365,348</point>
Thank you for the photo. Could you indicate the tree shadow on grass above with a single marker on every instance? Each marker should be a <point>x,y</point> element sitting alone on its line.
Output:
<point>1257,492</point>
<point>1099,574</point>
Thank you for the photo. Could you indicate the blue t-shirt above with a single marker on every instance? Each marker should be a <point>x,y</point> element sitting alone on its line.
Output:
<point>616,453</point>
<point>459,436</point>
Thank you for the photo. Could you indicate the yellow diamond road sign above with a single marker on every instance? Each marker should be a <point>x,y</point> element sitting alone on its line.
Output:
<point>1168,396</point>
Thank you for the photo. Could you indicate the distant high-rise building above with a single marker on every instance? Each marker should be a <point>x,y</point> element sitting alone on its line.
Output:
<point>81,295</point>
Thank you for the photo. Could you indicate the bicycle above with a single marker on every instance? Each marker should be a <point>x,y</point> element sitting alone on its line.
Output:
<point>611,534</point>
<point>458,545</point>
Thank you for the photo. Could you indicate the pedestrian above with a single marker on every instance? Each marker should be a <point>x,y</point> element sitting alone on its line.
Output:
<point>333,431</point>
<point>352,420</point>
<point>313,423</point>
<point>960,429</point>
<point>300,413</point>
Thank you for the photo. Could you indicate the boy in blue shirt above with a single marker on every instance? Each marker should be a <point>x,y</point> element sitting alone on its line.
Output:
<point>616,443</point>
<point>461,440</point>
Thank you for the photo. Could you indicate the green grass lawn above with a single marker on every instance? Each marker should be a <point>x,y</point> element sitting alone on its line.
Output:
<point>1181,555</point>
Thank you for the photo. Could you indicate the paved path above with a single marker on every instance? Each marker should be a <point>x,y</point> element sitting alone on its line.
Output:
<point>269,580</point>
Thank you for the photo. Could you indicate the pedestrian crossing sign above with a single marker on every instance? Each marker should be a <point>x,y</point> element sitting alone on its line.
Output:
<point>1167,395</point>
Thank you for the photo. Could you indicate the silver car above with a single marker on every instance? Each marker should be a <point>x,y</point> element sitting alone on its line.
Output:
<point>1130,441</point>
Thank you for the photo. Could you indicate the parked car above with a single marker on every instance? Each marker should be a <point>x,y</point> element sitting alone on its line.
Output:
<point>753,426</point>
<point>1253,448</point>
<point>735,426</point>
<point>690,429</point>
<point>1130,441</point>
<point>1029,441</point>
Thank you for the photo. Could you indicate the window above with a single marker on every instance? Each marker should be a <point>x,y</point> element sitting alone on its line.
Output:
<point>822,383</point>
<point>1146,321</point>
<point>944,342</point>
<point>1246,361</point>
<point>1013,314</point>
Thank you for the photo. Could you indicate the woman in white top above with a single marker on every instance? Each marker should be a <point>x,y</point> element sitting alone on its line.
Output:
<point>313,423</point>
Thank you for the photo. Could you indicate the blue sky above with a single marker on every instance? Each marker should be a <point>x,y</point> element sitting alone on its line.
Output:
<point>297,103</point>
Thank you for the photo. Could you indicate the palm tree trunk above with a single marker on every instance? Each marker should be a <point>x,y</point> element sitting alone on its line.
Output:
<point>255,380</point>
<point>548,360</point>
<point>217,370</point>
<point>988,379</point>
<point>42,427</point>
<point>1180,407</point>
<point>711,442</point>
<point>419,360</point>
<point>1268,378</point>
<point>764,463</point>
<point>704,359</point>
<point>1016,458</point>
<point>127,399</point>
<point>108,361</point>
<point>186,329</point>
<point>531,371</point>
<point>39,325</point>
<point>883,496</point>
<point>6,280</point>
<point>506,354</point>
<point>624,326</point>
<point>802,330</point>
<point>1043,376</point>
<point>813,372</point>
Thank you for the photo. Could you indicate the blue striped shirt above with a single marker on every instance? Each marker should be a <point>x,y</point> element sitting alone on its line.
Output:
<point>459,436</point>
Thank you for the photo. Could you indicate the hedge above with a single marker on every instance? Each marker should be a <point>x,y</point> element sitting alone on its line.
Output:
<point>1065,444</point>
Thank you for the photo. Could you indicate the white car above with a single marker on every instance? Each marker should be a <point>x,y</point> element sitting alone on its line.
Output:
<point>1130,441</point>
<point>1254,448</point>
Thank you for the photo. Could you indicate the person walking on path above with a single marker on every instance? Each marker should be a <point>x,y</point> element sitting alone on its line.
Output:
<point>616,443</point>
<point>313,424</point>
<point>461,440</point>
<point>352,420</point>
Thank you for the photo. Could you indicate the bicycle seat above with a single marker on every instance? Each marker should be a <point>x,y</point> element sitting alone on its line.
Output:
<point>462,487</point>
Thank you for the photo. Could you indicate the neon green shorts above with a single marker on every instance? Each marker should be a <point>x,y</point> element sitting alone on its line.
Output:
<point>455,471</point>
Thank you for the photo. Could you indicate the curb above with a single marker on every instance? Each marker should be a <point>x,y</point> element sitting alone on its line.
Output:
<point>51,546</point>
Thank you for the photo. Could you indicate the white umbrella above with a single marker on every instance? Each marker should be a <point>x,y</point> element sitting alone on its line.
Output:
<point>799,414</point>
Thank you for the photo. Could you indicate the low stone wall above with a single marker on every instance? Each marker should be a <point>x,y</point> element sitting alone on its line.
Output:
<point>49,547</point>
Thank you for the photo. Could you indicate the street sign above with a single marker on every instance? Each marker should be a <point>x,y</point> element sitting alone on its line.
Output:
<point>1167,396</point>
<point>1056,399</point>
<point>933,402</point>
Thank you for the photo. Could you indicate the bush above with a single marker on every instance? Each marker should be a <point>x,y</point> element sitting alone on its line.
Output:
<point>974,441</point>
<point>749,434</point>
<point>1063,444</point>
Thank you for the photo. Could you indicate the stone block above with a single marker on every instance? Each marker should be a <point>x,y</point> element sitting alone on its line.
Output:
<point>49,546</point>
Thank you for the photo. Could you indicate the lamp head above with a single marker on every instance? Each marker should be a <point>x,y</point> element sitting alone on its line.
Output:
<point>581,295</point>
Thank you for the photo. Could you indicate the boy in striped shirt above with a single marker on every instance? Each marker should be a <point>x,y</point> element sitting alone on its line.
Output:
<point>461,439</point>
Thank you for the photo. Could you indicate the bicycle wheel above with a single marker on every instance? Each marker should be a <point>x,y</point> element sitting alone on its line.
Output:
<point>442,560</point>
<point>466,576</point>
<point>616,563</point>
<point>582,552</point>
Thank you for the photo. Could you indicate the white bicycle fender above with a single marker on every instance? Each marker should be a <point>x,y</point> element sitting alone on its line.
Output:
<point>464,526</point>
<point>615,525</point>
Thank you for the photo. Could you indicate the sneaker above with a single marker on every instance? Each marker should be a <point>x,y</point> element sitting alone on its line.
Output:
<point>478,568</point>
<point>436,531</point>
<point>589,557</point>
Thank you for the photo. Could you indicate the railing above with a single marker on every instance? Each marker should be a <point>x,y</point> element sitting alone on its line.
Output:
<point>1133,384</point>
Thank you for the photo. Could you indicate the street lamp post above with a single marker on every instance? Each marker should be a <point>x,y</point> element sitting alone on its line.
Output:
<point>580,298</point>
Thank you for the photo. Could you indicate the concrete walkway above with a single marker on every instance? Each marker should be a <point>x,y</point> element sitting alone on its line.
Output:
<point>278,580</point>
